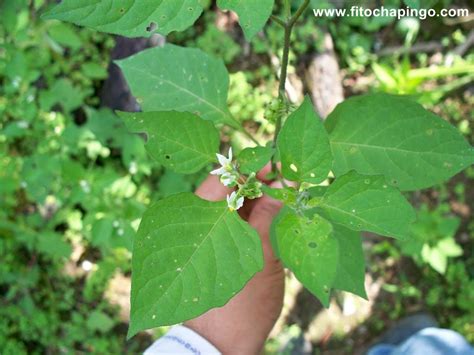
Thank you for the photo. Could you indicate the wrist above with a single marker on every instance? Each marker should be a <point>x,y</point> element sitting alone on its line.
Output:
<point>225,338</point>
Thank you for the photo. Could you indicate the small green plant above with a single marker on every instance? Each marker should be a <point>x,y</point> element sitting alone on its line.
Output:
<point>432,238</point>
<point>191,255</point>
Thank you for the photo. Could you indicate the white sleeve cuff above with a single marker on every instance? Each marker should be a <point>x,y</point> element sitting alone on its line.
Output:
<point>181,340</point>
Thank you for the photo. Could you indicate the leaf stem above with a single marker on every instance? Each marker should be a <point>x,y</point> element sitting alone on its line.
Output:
<point>249,136</point>
<point>239,127</point>
<point>288,26</point>
<point>278,20</point>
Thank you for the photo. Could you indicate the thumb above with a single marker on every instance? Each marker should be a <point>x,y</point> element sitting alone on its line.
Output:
<point>212,189</point>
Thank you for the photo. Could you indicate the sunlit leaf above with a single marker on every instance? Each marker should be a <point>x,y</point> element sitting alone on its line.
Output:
<point>189,255</point>
<point>138,18</point>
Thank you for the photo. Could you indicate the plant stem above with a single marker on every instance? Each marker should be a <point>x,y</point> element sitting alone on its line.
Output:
<point>288,26</point>
<point>287,8</point>
<point>298,13</point>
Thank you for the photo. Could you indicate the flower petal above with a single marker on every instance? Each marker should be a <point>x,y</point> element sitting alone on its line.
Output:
<point>227,180</point>
<point>239,203</point>
<point>222,159</point>
<point>219,171</point>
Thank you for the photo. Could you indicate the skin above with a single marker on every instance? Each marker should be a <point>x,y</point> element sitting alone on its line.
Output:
<point>244,323</point>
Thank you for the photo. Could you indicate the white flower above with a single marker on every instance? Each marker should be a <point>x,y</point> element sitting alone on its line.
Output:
<point>228,179</point>
<point>234,202</point>
<point>226,164</point>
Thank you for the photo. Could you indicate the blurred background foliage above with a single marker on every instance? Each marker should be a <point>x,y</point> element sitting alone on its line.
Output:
<point>74,182</point>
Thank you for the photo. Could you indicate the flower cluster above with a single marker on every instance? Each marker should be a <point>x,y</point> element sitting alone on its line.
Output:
<point>230,176</point>
<point>228,171</point>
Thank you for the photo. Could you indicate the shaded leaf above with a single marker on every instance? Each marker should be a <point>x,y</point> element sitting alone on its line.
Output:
<point>254,159</point>
<point>350,275</point>
<point>308,248</point>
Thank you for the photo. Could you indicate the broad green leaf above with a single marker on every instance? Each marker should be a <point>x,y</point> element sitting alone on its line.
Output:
<point>199,84</point>
<point>253,15</point>
<point>367,203</point>
<point>138,18</point>
<point>308,248</point>
<point>350,275</point>
<point>180,141</point>
<point>254,159</point>
<point>189,255</point>
<point>304,146</point>
<point>396,137</point>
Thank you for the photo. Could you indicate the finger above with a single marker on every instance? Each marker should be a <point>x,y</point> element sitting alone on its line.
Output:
<point>261,217</point>
<point>212,189</point>
<point>262,174</point>
<point>267,169</point>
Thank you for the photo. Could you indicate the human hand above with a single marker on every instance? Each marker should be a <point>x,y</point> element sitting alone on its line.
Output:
<point>243,324</point>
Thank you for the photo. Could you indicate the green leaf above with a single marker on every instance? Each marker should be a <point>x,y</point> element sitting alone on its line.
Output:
<point>94,70</point>
<point>350,275</point>
<point>396,137</point>
<point>253,15</point>
<point>449,247</point>
<point>180,141</point>
<point>435,258</point>
<point>172,183</point>
<point>288,195</point>
<point>304,146</point>
<point>99,321</point>
<point>53,245</point>
<point>189,255</point>
<point>254,159</point>
<point>284,211</point>
<point>308,248</point>
<point>63,93</point>
<point>139,18</point>
<point>199,84</point>
<point>367,203</point>
<point>65,35</point>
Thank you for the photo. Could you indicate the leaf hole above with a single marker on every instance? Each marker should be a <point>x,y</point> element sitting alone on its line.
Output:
<point>151,27</point>
<point>167,156</point>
